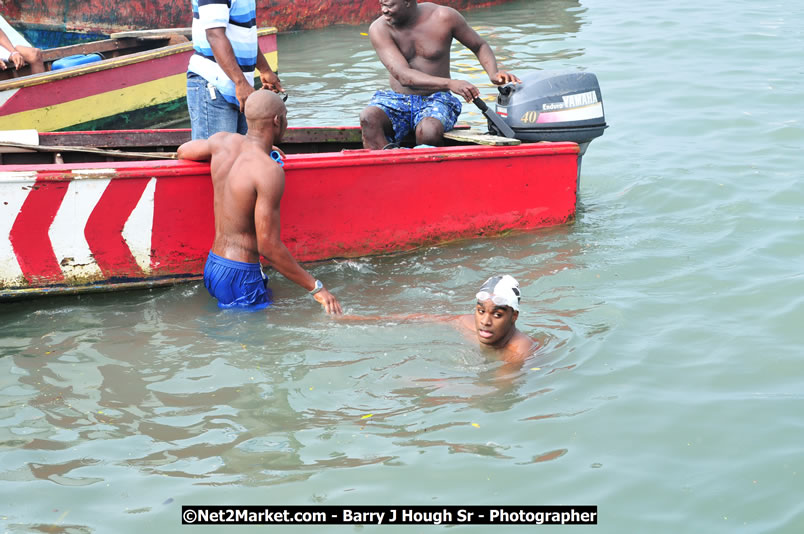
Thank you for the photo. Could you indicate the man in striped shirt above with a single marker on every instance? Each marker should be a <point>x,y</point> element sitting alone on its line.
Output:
<point>220,75</point>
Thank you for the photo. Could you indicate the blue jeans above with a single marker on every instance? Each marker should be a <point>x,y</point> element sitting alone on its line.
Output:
<point>209,115</point>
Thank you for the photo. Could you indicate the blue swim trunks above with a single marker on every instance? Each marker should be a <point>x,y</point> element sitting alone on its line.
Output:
<point>236,284</point>
<point>406,111</point>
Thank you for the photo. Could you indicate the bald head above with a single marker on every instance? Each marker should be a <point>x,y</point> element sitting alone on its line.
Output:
<point>264,104</point>
<point>266,111</point>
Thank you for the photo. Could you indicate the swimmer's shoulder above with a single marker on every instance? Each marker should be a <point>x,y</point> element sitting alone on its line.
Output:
<point>520,347</point>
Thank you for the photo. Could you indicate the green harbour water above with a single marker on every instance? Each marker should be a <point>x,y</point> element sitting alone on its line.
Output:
<point>668,391</point>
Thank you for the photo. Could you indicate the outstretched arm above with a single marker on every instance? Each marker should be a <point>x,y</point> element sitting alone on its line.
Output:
<point>401,317</point>
<point>270,187</point>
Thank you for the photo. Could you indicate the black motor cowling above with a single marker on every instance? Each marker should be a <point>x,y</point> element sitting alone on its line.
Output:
<point>553,106</point>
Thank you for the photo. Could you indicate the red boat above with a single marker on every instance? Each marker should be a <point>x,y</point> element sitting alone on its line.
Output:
<point>109,16</point>
<point>100,210</point>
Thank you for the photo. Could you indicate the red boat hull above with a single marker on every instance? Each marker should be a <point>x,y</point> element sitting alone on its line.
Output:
<point>75,227</point>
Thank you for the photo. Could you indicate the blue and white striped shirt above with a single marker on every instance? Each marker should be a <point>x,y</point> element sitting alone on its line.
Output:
<point>239,17</point>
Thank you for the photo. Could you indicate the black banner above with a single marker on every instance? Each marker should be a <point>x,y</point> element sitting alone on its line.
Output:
<point>389,515</point>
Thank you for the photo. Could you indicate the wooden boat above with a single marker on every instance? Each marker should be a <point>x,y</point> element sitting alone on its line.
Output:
<point>140,83</point>
<point>96,17</point>
<point>116,212</point>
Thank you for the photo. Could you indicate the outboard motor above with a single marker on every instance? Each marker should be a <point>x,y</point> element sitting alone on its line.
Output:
<point>552,106</point>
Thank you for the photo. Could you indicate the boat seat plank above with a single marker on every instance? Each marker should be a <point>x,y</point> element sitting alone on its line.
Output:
<point>116,139</point>
<point>480,138</point>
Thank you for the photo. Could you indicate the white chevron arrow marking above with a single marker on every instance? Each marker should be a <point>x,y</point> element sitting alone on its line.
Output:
<point>138,227</point>
<point>67,231</point>
<point>5,96</point>
<point>15,188</point>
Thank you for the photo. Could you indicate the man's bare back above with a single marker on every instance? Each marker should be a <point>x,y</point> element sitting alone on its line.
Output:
<point>240,169</point>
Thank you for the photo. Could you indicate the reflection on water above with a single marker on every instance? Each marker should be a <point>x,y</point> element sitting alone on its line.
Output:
<point>160,383</point>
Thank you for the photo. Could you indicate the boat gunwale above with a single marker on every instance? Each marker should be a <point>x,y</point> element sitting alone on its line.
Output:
<point>302,161</point>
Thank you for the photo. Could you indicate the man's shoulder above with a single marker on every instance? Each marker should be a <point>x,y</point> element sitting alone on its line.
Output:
<point>379,26</point>
<point>223,141</point>
<point>440,12</point>
<point>467,321</point>
<point>220,137</point>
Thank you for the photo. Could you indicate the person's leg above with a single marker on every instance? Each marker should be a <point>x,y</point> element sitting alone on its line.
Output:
<point>430,131</point>
<point>209,115</point>
<point>375,127</point>
<point>438,114</point>
<point>385,120</point>
<point>33,57</point>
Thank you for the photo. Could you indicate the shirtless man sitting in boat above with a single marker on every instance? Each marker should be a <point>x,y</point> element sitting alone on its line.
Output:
<point>413,42</point>
<point>248,184</point>
<point>493,323</point>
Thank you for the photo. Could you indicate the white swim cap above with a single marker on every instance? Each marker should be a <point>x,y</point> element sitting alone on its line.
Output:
<point>501,290</point>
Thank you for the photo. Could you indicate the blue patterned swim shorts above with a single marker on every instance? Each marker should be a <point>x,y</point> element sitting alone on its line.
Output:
<point>406,111</point>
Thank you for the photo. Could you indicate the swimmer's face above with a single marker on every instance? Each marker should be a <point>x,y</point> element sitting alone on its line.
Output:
<point>494,324</point>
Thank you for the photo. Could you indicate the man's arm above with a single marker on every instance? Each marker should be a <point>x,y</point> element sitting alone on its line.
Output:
<point>270,186</point>
<point>403,318</point>
<point>481,49</point>
<point>400,69</point>
<point>268,77</point>
<point>198,150</point>
<point>225,57</point>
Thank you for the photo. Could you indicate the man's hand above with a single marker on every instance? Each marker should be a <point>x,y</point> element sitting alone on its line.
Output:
<point>271,81</point>
<point>328,301</point>
<point>242,90</point>
<point>502,77</point>
<point>17,59</point>
<point>465,89</point>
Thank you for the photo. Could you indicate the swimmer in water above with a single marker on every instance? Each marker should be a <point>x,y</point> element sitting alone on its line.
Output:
<point>493,323</point>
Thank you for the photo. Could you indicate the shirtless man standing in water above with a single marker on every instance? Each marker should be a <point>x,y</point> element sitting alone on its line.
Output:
<point>413,42</point>
<point>248,185</point>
